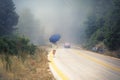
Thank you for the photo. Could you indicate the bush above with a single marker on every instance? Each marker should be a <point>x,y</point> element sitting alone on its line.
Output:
<point>15,46</point>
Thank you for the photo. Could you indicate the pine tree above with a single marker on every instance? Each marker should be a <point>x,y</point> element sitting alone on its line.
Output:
<point>8,17</point>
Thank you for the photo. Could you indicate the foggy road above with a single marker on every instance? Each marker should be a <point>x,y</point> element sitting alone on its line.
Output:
<point>71,64</point>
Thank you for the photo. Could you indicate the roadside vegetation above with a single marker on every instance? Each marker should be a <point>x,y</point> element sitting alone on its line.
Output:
<point>102,27</point>
<point>34,67</point>
<point>19,58</point>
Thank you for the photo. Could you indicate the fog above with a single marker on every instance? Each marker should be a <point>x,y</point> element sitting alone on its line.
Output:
<point>38,19</point>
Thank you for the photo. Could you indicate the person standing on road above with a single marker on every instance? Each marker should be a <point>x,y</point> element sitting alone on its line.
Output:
<point>54,49</point>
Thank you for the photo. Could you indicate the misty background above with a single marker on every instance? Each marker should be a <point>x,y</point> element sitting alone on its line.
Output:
<point>39,19</point>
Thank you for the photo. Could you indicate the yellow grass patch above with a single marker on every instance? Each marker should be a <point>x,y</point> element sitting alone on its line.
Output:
<point>33,68</point>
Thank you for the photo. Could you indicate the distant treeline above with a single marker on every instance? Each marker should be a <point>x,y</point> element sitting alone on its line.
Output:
<point>103,24</point>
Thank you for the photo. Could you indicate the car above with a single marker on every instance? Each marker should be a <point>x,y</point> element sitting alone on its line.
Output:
<point>67,45</point>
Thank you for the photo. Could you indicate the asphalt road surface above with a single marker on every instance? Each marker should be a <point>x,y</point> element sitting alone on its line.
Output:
<point>72,64</point>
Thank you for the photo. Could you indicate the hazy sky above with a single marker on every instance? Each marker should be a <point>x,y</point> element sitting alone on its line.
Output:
<point>56,16</point>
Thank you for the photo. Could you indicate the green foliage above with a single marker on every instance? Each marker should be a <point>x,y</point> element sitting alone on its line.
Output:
<point>8,17</point>
<point>95,39</point>
<point>13,46</point>
<point>90,26</point>
<point>103,24</point>
<point>32,49</point>
<point>112,35</point>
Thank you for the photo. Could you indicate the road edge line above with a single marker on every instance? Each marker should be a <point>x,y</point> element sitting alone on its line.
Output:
<point>99,62</point>
<point>59,75</point>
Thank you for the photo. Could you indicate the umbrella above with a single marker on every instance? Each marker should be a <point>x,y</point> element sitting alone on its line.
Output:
<point>54,38</point>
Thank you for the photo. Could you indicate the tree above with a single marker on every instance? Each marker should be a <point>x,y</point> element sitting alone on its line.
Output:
<point>90,25</point>
<point>8,17</point>
<point>95,28</point>
<point>112,36</point>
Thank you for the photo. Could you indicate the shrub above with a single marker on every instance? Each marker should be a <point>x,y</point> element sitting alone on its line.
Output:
<point>15,46</point>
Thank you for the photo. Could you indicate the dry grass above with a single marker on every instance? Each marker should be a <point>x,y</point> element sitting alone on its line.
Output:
<point>34,68</point>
